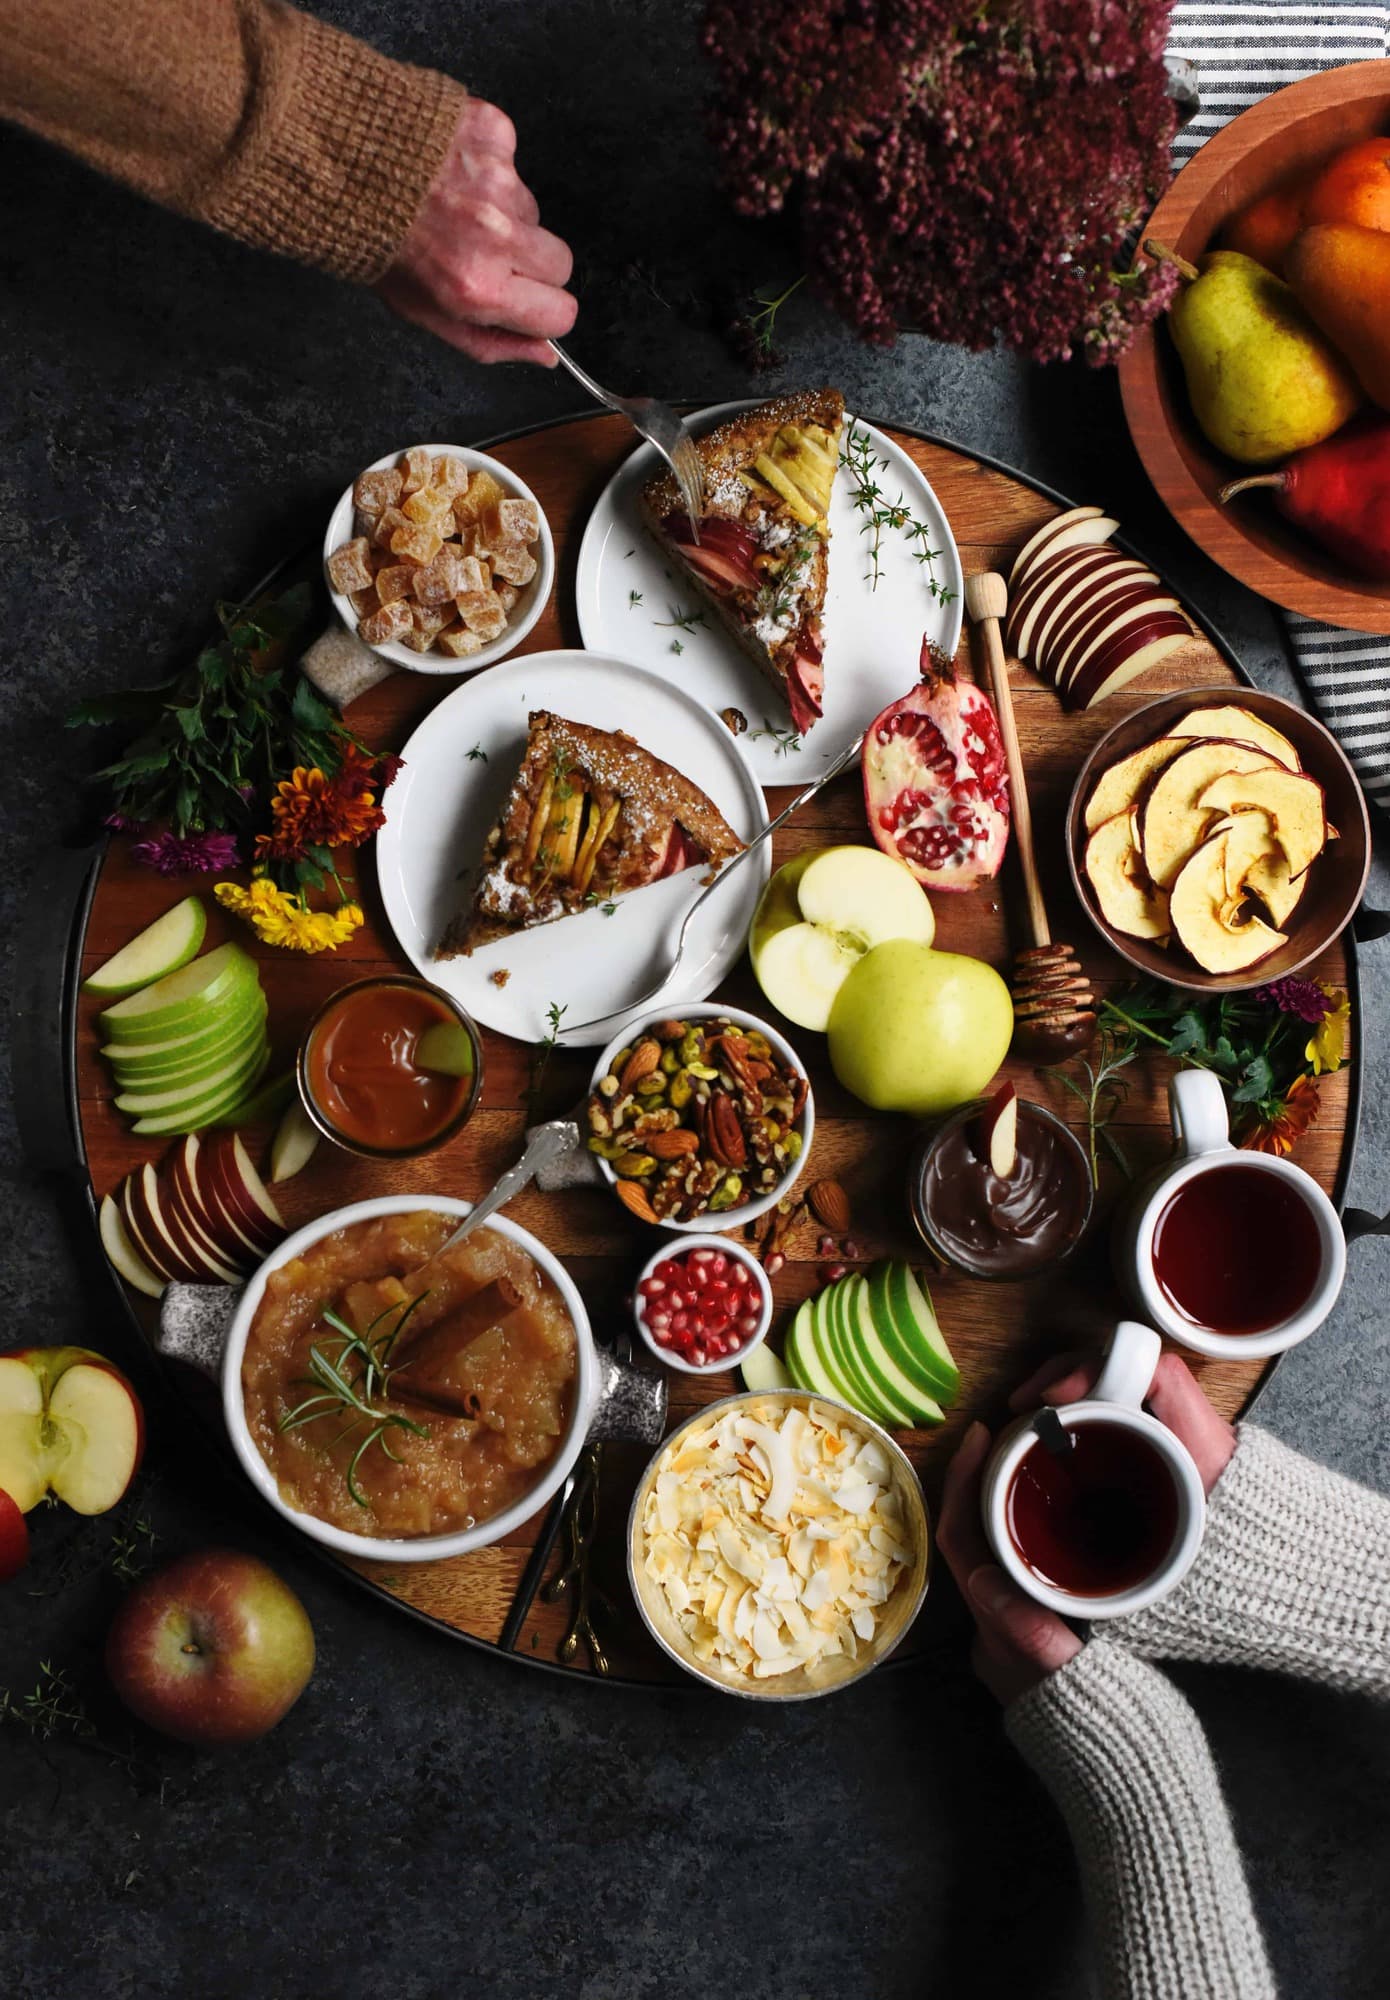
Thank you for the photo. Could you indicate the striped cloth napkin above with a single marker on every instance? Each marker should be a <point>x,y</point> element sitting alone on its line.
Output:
<point>1240,54</point>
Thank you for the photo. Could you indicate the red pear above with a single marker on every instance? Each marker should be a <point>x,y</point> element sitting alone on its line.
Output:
<point>1339,493</point>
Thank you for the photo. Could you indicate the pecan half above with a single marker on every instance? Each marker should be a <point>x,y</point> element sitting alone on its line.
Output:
<point>725,1134</point>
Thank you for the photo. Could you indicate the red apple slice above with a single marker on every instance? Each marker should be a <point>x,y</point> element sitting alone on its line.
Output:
<point>1146,647</point>
<point>1107,622</point>
<point>1079,600</point>
<point>125,1259</point>
<point>202,1189</point>
<point>1001,1131</point>
<point>223,1263</point>
<point>150,1249</point>
<point>14,1539</point>
<point>156,1226</point>
<point>1061,573</point>
<point>805,690</point>
<point>238,1189</point>
<point>1042,543</point>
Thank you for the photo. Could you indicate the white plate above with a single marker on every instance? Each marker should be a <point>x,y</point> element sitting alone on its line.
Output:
<point>440,808</point>
<point>528,607</point>
<point>873,637</point>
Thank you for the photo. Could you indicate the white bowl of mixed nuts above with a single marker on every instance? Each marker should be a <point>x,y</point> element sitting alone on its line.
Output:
<point>700,1118</point>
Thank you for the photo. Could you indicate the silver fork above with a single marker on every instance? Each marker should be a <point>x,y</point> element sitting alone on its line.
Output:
<point>832,770</point>
<point>659,425</point>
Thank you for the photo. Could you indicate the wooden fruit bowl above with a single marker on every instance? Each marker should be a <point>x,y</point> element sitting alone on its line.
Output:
<point>1293,128</point>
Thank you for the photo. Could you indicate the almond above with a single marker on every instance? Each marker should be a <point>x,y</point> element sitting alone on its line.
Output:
<point>670,1145</point>
<point>640,1063</point>
<point>830,1205</point>
<point>634,1198</point>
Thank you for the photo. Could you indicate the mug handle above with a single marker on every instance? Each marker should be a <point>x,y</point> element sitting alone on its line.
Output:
<point>1129,1367</point>
<point>1197,1108</point>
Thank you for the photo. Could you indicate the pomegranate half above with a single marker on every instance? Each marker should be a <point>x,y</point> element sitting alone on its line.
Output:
<point>936,788</point>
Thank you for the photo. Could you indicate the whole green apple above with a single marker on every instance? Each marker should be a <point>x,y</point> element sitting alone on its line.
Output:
<point>918,1030</point>
<point>212,1648</point>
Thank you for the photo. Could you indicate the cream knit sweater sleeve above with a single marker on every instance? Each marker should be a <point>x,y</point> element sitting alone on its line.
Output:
<point>1293,1576</point>
<point>1125,1759</point>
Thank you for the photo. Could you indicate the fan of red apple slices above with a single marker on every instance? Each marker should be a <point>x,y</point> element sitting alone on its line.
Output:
<point>202,1217</point>
<point>1206,835</point>
<point>1085,616</point>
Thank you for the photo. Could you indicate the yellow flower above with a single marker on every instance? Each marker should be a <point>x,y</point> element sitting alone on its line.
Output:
<point>283,920</point>
<point>1327,1049</point>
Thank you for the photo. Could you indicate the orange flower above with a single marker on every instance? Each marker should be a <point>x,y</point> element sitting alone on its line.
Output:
<point>311,810</point>
<point>1282,1133</point>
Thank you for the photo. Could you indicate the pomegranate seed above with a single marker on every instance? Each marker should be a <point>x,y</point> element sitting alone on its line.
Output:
<point>651,1288</point>
<point>852,1250</point>
<point>658,1322</point>
<point>748,1325</point>
<point>701,1256</point>
<point>774,1263</point>
<point>825,1246</point>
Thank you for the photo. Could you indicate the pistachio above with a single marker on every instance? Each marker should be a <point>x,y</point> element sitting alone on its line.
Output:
<point>634,1166</point>
<point>651,1086</point>
<point>670,1061</point>
<point>681,1089</point>
<point>703,1071</point>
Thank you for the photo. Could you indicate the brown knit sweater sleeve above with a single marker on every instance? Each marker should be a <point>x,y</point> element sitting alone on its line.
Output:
<point>245,114</point>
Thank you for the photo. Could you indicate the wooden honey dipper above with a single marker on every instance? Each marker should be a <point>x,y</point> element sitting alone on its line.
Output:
<point>1054,1008</point>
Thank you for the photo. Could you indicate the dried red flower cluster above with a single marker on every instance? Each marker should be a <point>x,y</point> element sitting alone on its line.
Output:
<point>963,171</point>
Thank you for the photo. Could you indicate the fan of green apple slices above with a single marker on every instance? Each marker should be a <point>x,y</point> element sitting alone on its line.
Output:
<point>873,1342</point>
<point>1206,836</point>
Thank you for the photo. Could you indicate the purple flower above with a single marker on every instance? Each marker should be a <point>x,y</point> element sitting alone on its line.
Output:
<point>188,854</point>
<point>1299,997</point>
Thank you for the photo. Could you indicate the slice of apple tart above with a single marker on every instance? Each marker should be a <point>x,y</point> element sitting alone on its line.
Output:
<point>591,815</point>
<point>762,557</point>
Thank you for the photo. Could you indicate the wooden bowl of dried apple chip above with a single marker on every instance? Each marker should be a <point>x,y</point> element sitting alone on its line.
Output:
<point>809,1591</point>
<point>1333,884</point>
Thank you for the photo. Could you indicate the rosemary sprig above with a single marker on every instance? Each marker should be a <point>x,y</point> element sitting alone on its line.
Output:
<point>338,1391</point>
<point>539,1061</point>
<point>1103,1090</point>
<point>878,512</point>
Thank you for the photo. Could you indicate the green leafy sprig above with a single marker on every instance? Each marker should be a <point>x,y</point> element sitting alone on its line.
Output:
<point>1103,1089</point>
<point>214,740</point>
<point>1255,1049</point>
<point>877,512</point>
<point>350,1383</point>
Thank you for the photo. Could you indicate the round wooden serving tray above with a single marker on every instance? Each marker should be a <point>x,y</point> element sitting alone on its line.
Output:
<point>1293,128</point>
<point>998,1332</point>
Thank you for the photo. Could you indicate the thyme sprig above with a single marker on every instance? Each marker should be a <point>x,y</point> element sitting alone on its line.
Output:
<point>877,512</point>
<point>539,1061</point>
<point>680,621</point>
<point>774,599</point>
<point>338,1391</point>
<point>1103,1090</point>
<point>787,740</point>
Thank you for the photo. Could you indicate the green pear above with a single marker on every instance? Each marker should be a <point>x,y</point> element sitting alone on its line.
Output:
<point>1262,379</point>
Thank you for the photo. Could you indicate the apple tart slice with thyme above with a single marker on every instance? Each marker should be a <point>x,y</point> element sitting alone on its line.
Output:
<point>591,815</point>
<point>762,557</point>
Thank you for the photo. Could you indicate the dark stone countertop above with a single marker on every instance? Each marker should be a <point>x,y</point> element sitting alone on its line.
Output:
<point>175,412</point>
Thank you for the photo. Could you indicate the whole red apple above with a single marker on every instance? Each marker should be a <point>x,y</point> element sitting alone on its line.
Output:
<point>14,1539</point>
<point>212,1648</point>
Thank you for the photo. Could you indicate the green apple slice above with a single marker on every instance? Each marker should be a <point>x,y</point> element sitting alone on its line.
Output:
<point>225,1023</point>
<point>177,1001</point>
<point>294,1145</point>
<point>202,1063</point>
<point>900,1402</point>
<point>228,1073</point>
<point>261,1105</point>
<point>162,947</point>
<point>446,1048</point>
<point>762,1372</point>
<point>906,1321</point>
<point>827,1323</point>
<point>195,1116</point>
<point>803,1359</point>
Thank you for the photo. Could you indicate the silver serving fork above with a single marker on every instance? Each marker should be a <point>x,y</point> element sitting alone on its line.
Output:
<point>659,425</point>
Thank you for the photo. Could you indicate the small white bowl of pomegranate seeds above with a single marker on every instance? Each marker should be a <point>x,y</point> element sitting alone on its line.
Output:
<point>702,1304</point>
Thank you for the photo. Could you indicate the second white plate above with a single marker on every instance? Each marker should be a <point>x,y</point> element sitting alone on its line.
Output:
<point>459,766</point>
<point>630,600</point>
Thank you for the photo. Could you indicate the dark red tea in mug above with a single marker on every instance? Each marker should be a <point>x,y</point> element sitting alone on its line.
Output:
<point>1237,1250</point>
<point>1097,1519</point>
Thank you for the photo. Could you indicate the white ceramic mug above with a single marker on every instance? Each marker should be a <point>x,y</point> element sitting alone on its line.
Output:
<point>1202,1136</point>
<point>1117,1399</point>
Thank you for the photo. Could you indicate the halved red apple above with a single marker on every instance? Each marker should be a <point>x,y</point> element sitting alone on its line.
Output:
<point>14,1539</point>
<point>70,1424</point>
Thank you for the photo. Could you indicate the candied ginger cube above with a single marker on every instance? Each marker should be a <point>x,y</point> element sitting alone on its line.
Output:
<point>440,581</point>
<point>391,622</point>
<point>348,568</point>
<point>374,492</point>
<point>507,594</point>
<point>483,492</point>
<point>392,518</point>
<point>415,470</point>
<point>426,624</point>
<point>430,508</point>
<point>422,545</point>
<point>459,641</point>
<point>518,521</point>
<point>449,474</point>
<point>481,611</point>
<point>363,602</point>
<point>394,581</point>
<point>517,565</point>
<point>472,574</point>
